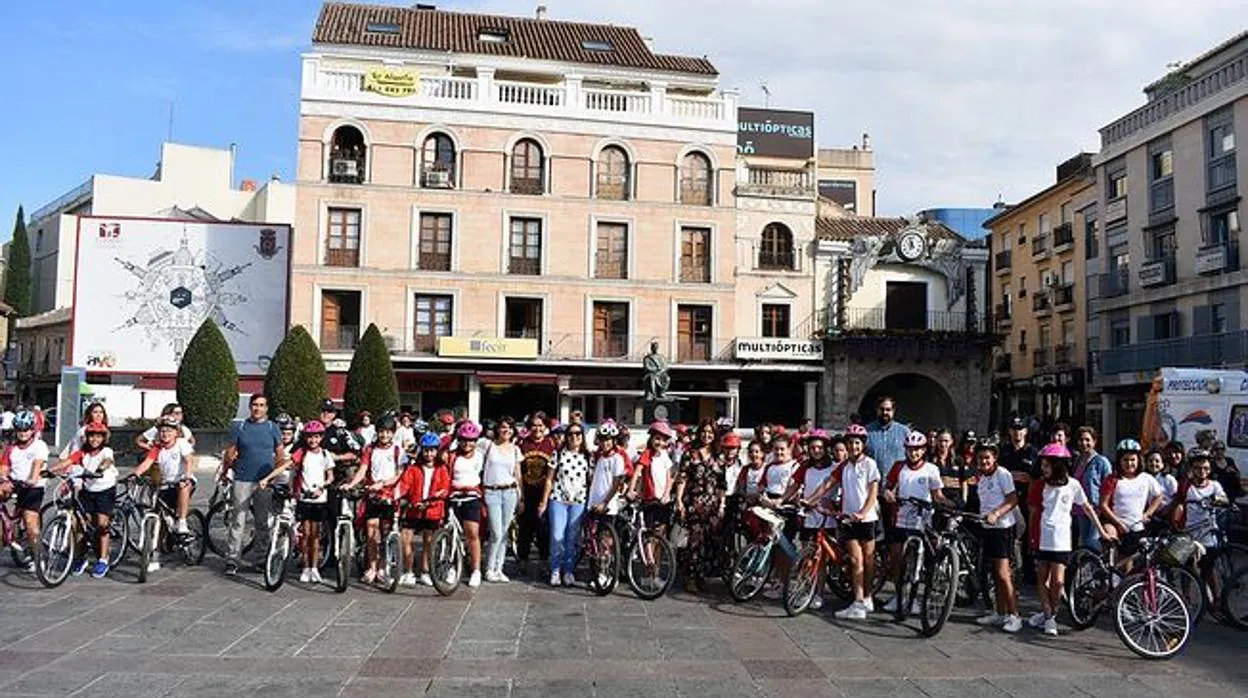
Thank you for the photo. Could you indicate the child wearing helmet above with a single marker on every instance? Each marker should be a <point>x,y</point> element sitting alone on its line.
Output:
<point>859,479</point>
<point>314,473</point>
<point>94,414</point>
<point>21,472</point>
<point>381,465</point>
<point>652,478</point>
<point>466,464</point>
<point>172,456</point>
<point>1129,500</point>
<point>94,461</point>
<point>609,475</point>
<point>424,485</point>
<point>1052,508</point>
<point>912,478</point>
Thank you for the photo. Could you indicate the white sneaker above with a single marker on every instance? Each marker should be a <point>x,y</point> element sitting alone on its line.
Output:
<point>492,577</point>
<point>991,620</point>
<point>1050,626</point>
<point>816,603</point>
<point>501,578</point>
<point>407,580</point>
<point>182,527</point>
<point>474,581</point>
<point>425,579</point>
<point>154,565</point>
<point>869,605</point>
<point>555,579</point>
<point>569,579</point>
<point>1012,623</point>
<point>306,576</point>
<point>891,605</point>
<point>1036,620</point>
<point>916,608</point>
<point>855,611</point>
<point>316,576</point>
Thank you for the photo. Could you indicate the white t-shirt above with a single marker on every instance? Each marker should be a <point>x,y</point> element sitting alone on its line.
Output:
<point>93,463</point>
<point>150,435</point>
<point>367,434</point>
<point>812,478</point>
<point>466,472</point>
<point>312,472</point>
<point>917,483</point>
<point>6,420</point>
<point>169,460</point>
<point>660,474</point>
<point>500,464</point>
<point>750,481</point>
<point>404,436</point>
<point>1169,487</point>
<point>856,479</point>
<point>383,464</point>
<point>777,477</point>
<point>1196,514</point>
<point>22,460</point>
<point>602,486</point>
<point>1055,519</point>
<point>993,490</point>
<point>1131,497</point>
<point>426,481</point>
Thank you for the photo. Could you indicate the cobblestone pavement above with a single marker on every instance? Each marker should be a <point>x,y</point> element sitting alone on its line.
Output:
<point>194,632</point>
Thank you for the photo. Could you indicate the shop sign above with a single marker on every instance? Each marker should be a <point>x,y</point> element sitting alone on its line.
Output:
<point>777,349</point>
<point>429,382</point>
<point>487,347</point>
<point>775,132</point>
<point>391,82</point>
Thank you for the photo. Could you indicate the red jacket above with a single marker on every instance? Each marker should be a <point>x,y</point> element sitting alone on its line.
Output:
<point>411,487</point>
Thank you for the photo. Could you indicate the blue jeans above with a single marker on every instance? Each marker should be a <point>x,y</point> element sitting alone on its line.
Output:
<point>501,505</point>
<point>565,531</point>
<point>1088,535</point>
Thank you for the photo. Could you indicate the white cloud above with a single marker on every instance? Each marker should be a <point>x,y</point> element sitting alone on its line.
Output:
<point>964,99</point>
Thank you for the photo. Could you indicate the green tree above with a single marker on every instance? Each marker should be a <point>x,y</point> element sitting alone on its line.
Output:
<point>371,384</point>
<point>296,381</point>
<point>17,277</point>
<point>208,380</point>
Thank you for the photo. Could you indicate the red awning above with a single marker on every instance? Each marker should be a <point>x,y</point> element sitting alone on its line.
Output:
<point>517,378</point>
<point>246,386</point>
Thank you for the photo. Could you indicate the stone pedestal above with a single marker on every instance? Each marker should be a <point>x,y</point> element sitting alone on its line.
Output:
<point>664,408</point>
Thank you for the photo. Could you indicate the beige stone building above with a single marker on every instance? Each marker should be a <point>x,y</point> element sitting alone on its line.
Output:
<point>847,177</point>
<point>523,206</point>
<point>1039,289</point>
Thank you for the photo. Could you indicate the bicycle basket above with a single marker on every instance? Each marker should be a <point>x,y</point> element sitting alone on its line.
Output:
<point>759,523</point>
<point>1178,550</point>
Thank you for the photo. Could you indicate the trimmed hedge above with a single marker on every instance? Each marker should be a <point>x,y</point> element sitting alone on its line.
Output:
<point>208,380</point>
<point>371,384</point>
<point>296,382</point>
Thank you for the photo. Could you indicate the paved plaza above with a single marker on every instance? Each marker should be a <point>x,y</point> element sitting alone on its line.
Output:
<point>195,632</point>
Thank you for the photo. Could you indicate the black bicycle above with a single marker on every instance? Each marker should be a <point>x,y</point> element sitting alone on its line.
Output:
<point>71,532</point>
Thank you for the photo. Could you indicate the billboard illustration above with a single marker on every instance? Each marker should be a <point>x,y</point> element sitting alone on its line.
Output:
<point>142,288</point>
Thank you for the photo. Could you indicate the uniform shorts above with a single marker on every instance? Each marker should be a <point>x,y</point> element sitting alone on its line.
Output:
<point>312,511</point>
<point>998,543</point>
<point>861,530</point>
<point>104,502</point>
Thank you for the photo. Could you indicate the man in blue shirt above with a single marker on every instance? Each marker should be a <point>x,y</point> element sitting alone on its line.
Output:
<point>255,447</point>
<point>886,439</point>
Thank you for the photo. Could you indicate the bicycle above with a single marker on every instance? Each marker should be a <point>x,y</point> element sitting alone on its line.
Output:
<point>1151,617</point>
<point>69,521</point>
<point>754,565</point>
<point>128,508</point>
<point>220,506</point>
<point>818,556</point>
<point>344,537</point>
<point>283,538</point>
<point>449,551</point>
<point>930,560</point>
<point>600,544</point>
<point>1091,581</point>
<point>1228,565</point>
<point>159,533</point>
<point>651,560</point>
<point>13,533</point>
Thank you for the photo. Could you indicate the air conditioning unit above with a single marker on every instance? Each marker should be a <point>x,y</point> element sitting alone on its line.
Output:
<point>438,179</point>
<point>392,342</point>
<point>344,168</point>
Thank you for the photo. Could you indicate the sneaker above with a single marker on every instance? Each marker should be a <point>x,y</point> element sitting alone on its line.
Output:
<point>916,608</point>
<point>474,580</point>
<point>555,579</point>
<point>369,577</point>
<point>231,569</point>
<point>407,580</point>
<point>425,579</point>
<point>315,576</point>
<point>891,605</point>
<point>855,611</point>
<point>100,570</point>
<point>16,546</point>
<point>991,620</point>
<point>182,529</point>
<point>1012,623</point>
<point>1036,620</point>
<point>306,576</point>
<point>1050,626</point>
<point>869,605</point>
<point>492,577</point>
<point>501,578</point>
<point>816,603</point>
<point>569,579</point>
<point>153,566</point>
<point>79,567</point>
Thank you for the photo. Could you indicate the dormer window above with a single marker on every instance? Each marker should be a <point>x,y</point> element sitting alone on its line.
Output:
<point>493,36</point>
<point>381,28</point>
<point>597,45</point>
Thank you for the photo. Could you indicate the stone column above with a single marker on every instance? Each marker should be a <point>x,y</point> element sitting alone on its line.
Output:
<point>474,397</point>
<point>810,405</point>
<point>734,399</point>
<point>1109,420</point>
<point>565,400</point>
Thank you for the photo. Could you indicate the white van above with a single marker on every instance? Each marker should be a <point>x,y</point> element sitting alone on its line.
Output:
<point>1189,404</point>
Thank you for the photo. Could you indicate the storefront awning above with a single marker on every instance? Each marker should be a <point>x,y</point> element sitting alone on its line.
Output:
<point>246,386</point>
<point>517,378</point>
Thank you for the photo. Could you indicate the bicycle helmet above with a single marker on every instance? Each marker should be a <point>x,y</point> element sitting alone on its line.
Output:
<point>314,427</point>
<point>969,437</point>
<point>446,418</point>
<point>916,439</point>
<point>24,421</point>
<point>661,428</point>
<point>430,441</point>
<point>855,431</point>
<point>558,430</point>
<point>1129,446</point>
<point>1197,454</point>
<point>469,430</point>
<point>168,423</point>
<point>730,440</point>
<point>327,405</point>
<point>284,422</point>
<point>819,435</point>
<point>386,423</point>
<point>420,426</point>
<point>1055,450</point>
<point>608,430</point>
<point>95,428</point>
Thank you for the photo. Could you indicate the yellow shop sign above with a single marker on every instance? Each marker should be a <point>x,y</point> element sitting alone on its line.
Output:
<point>391,82</point>
<point>487,347</point>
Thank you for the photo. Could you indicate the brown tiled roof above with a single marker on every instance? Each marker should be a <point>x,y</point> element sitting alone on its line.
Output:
<point>457,32</point>
<point>850,227</point>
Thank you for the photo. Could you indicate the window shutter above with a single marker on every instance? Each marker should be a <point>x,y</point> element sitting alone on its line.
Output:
<point>1232,314</point>
<point>1202,320</point>
<point>1144,328</point>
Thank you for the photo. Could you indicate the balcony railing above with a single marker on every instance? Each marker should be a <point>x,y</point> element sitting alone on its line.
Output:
<point>1040,303</point>
<point>1157,272</point>
<point>342,258</point>
<point>1003,313</point>
<point>1064,296</point>
<point>339,337</point>
<point>765,181</point>
<point>1040,245</point>
<point>1193,92</point>
<point>1040,358</point>
<point>625,349</point>
<point>1003,261</point>
<point>1063,355</point>
<point>526,266</point>
<point>1002,364</point>
<point>1115,283</point>
<point>776,260</point>
<point>1206,351</point>
<point>876,319</point>
<point>1217,258</point>
<point>1063,237</point>
<point>696,272</point>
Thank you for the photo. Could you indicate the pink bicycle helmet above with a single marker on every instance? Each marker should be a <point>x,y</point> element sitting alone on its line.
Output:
<point>315,426</point>
<point>916,439</point>
<point>1055,450</point>
<point>469,430</point>
<point>856,430</point>
<point>819,434</point>
<point>661,428</point>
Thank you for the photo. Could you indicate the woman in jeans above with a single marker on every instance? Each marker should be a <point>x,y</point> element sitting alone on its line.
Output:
<point>567,485</point>
<point>1090,471</point>
<point>501,480</point>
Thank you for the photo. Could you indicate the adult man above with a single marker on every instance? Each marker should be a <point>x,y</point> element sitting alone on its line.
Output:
<point>255,448</point>
<point>339,442</point>
<point>536,449</point>
<point>886,439</point>
<point>1020,457</point>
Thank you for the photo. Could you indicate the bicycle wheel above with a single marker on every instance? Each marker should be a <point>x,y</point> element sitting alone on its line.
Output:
<point>750,572</point>
<point>1230,568</point>
<point>19,551</point>
<point>1190,587</point>
<point>343,552</point>
<point>604,566</point>
<point>134,527</point>
<point>881,564</point>
<point>218,531</point>
<point>972,586</point>
<point>275,561</point>
<point>800,584</point>
<point>1151,619</point>
<point>446,561</point>
<point>56,551</point>
<point>651,566</point>
<point>192,543</point>
<point>392,561</point>
<point>1089,584</point>
<point>909,575</point>
<point>118,540</point>
<point>151,532</point>
<point>838,580</point>
<point>939,590</point>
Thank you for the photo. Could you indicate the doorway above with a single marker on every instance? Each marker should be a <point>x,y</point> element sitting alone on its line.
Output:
<point>905,305</point>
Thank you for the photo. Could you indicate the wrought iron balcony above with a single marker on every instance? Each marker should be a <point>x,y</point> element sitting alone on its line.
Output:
<point>1063,237</point>
<point>1157,272</point>
<point>1208,350</point>
<point>1003,261</point>
<point>1115,283</point>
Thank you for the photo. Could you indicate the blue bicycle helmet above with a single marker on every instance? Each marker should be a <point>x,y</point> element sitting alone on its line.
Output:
<point>430,441</point>
<point>24,421</point>
<point>1128,446</point>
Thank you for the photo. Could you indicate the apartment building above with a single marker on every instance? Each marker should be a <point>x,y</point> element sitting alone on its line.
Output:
<point>1170,288</point>
<point>1039,287</point>
<point>523,206</point>
<point>846,177</point>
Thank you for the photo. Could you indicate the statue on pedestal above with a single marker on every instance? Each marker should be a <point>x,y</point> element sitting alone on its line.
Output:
<point>656,381</point>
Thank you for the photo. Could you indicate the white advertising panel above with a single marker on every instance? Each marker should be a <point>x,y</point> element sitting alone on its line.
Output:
<point>778,349</point>
<point>142,287</point>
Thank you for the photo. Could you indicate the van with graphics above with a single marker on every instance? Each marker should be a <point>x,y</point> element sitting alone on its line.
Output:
<point>1197,405</point>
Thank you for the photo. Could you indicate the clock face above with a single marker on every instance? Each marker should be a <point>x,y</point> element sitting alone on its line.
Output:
<point>911,246</point>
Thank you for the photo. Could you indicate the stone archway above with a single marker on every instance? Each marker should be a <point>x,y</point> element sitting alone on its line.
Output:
<point>920,401</point>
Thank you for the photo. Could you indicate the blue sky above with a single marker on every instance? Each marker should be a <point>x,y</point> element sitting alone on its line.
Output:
<point>965,99</point>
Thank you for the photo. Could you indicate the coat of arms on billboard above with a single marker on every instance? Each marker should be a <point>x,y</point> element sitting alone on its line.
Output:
<point>267,247</point>
<point>109,232</point>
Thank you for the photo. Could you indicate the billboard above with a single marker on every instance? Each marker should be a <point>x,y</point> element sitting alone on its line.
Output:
<point>774,132</point>
<point>142,287</point>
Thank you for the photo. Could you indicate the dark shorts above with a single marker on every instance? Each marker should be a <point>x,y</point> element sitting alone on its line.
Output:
<point>1056,557</point>
<point>467,510</point>
<point>1129,544</point>
<point>312,511</point>
<point>169,495</point>
<point>99,502</point>
<point>860,530</point>
<point>421,525</point>
<point>656,514</point>
<point>898,534</point>
<point>28,498</point>
<point>998,543</point>
<point>378,510</point>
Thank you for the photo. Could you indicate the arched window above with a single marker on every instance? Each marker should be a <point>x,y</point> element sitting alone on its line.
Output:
<point>613,174</point>
<point>528,168</point>
<point>776,249</point>
<point>348,155</point>
<point>695,180</point>
<point>437,162</point>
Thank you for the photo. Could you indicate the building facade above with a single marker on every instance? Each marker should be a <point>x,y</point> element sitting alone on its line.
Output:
<point>1170,283</point>
<point>1039,290</point>
<point>846,177</point>
<point>967,222</point>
